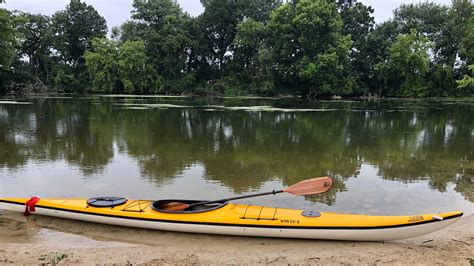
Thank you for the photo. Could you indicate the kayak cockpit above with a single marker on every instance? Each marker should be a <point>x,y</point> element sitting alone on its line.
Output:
<point>162,206</point>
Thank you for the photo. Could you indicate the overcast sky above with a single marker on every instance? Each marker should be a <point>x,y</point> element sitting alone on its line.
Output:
<point>118,11</point>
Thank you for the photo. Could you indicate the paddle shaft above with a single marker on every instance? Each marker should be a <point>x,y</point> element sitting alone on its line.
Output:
<point>307,187</point>
<point>238,197</point>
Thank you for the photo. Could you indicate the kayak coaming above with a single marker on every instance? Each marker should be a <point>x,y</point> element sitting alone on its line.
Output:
<point>245,220</point>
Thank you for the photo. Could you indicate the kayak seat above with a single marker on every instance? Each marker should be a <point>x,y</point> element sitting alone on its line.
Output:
<point>161,206</point>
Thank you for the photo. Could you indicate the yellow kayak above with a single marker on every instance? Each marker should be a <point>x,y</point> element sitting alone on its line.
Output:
<point>236,219</point>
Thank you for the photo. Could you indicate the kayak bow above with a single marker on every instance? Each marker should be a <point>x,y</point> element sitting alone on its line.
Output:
<point>243,220</point>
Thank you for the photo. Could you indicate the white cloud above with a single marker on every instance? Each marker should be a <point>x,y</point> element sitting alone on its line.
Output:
<point>383,9</point>
<point>118,11</point>
<point>115,12</point>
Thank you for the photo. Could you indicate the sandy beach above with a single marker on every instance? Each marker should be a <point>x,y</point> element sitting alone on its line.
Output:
<point>44,240</point>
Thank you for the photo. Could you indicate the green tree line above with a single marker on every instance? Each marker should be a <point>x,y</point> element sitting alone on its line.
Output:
<point>302,47</point>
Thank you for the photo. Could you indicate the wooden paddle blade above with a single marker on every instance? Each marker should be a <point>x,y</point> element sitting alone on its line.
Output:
<point>173,206</point>
<point>311,186</point>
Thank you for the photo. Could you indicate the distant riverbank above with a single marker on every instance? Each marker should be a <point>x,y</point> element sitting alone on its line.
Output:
<point>226,96</point>
<point>303,47</point>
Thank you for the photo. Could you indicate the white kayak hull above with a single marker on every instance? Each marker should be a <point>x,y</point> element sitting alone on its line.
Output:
<point>377,234</point>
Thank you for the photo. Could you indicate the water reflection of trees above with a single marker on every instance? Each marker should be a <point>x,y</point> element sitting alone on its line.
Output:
<point>241,150</point>
<point>52,130</point>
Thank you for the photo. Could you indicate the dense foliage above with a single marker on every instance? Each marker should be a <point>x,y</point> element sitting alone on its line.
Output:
<point>267,47</point>
<point>7,43</point>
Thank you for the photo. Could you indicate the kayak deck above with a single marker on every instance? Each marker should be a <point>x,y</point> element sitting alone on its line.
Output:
<point>238,219</point>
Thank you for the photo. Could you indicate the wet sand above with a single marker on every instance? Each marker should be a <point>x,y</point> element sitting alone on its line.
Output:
<point>38,239</point>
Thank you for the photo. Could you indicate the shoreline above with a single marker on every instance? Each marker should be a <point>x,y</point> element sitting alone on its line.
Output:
<point>42,239</point>
<point>334,98</point>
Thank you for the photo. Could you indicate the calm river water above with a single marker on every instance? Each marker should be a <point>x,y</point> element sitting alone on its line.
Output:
<point>388,157</point>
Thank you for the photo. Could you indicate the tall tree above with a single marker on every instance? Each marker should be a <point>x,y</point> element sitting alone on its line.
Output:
<point>73,30</point>
<point>124,68</point>
<point>101,62</point>
<point>219,25</point>
<point>162,26</point>
<point>135,70</point>
<point>358,22</point>
<point>407,65</point>
<point>7,46</point>
<point>425,18</point>
<point>251,63</point>
<point>460,14</point>
<point>303,64</point>
<point>7,41</point>
<point>36,39</point>
<point>379,41</point>
<point>447,28</point>
<point>467,44</point>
